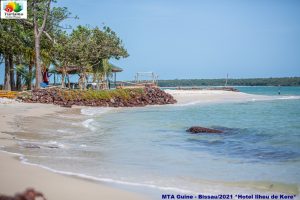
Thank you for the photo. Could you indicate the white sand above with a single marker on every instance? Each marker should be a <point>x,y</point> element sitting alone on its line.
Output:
<point>188,97</point>
<point>16,177</point>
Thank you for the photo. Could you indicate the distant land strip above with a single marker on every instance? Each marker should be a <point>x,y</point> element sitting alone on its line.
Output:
<point>284,81</point>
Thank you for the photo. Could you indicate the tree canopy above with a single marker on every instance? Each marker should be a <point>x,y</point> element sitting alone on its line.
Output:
<point>42,40</point>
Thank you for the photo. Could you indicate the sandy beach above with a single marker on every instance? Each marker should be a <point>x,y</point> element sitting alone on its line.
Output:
<point>188,97</point>
<point>16,177</point>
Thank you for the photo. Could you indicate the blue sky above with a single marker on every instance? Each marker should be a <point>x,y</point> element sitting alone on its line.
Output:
<point>200,38</point>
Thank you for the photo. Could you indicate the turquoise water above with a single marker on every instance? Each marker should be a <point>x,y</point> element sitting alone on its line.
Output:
<point>270,90</point>
<point>149,146</point>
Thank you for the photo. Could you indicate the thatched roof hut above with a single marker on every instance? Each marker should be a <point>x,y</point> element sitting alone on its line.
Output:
<point>116,69</point>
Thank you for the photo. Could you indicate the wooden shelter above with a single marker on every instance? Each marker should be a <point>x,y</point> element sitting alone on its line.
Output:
<point>115,70</point>
<point>70,70</point>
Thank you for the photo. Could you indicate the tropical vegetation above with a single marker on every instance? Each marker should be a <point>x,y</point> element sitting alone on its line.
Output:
<point>27,47</point>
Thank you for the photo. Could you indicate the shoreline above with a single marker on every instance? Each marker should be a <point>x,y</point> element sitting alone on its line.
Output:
<point>90,185</point>
<point>190,97</point>
<point>16,176</point>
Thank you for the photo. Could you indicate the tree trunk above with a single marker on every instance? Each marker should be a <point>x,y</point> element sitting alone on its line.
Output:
<point>30,76</point>
<point>38,71</point>
<point>7,75</point>
<point>37,39</point>
<point>54,79</point>
<point>63,79</point>
<point>98,84</point>
<point>19,83</point>
<point>12,72</point>
<point>69,83</point>
<point>85,81</point>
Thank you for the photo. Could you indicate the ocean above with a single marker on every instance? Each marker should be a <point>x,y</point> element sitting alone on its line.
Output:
<point>148,149</point>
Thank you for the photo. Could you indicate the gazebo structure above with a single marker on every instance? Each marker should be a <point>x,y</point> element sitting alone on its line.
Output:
<point>115,70</point>
<point>71,70</point>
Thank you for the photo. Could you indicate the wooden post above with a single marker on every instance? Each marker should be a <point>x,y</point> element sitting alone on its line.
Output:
<point>115,80</point>
<point>69,84</point>
<point>226,81</point>
<point>152,77</point>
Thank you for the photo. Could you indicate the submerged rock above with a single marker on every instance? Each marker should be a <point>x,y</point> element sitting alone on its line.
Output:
<point>199,129</point>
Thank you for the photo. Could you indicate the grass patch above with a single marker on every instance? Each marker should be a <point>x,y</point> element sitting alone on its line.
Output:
<point>73,95</point>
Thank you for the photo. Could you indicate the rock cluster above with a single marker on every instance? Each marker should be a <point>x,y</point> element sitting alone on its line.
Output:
<point>29,194</point>
<point>150,96</point>
<point>199,129</point>
<point>232,89</point>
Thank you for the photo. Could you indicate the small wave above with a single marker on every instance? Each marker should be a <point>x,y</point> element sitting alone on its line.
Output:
<point>192,103</point>
<point>87,124</point>
<point>24,160</point>
<point>55,143</point>
<point>288,97</point>
<point>95,111</point>
<point>108,180</point>
<point>39,145</point>
<point>241,186</point>
<point>62,131</point>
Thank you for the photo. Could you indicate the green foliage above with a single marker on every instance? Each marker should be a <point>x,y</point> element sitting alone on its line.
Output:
<point>88,47</point>
<point>11,37</point>
<point>86,95</point>
<point>26,76</point>
<point>17,36</point>
<point>286,81</point>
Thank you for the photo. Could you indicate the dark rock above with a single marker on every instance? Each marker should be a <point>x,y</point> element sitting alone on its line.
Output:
<point>199,129</point>
<point>230,89</point>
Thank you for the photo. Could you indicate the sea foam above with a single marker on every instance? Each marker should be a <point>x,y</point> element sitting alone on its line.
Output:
<point>95,111</point>
<point>88,124</point>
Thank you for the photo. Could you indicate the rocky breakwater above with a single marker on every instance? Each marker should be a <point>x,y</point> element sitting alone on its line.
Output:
<point>104,98</point>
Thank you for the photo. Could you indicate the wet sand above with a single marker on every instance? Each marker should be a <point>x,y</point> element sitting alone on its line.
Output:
<point>16,177</point>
